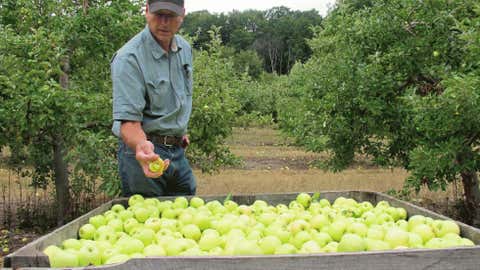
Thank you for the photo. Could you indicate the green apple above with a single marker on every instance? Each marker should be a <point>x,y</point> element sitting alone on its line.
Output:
<point>196,202</point>
<point>116,224</point>
<point>296,206</point>
<point>244,209</point>
<point>375,244</point>
<point>281,208</point>
<point>322,238</point>
<point>97,220</point>
<point>180,202</point>
<point>424,231</point>
<point>202,220</point>
<point>415,220</point>
<point>170,213</point>
<point>105,233</point>
<point>125,214</point>
<point>304,199</point>
<point>209,240</point>
<point>401,213</point>
<point>156,166</point>
<point>369,218</point>
<point>128,245</point>
<point>146,235</point>
<point>330,247</point>
<point>324,203</point>
<point>142,214</point>
<point>351,243</point>
<point>254,235</point>
<point>310,247</point>
<point>89,254</point>
<point>108,253</point>
<point>286,249</point>
<point>171,224</point>
<point>135,199</point>
<point>396,237</point>
<point>300,238</point>
<point>435,243</point>
<point>269,244</point>
<point>337,229</point>
<point>230,205</point>
<point>319,221</point>
<point>298,225</point>
<point>130,224</point>
<point>278,231</point>
<point>446,226</point>
<point>87,231</point>
<point>110,215</point>
<point>162,205</point>
<point>118,258</point>
<point>185,217</point>
<point>153,223</point>
<point>415,240</point>
<point>72,244</point>
<point>154,250</point>
<point>151,201</point>
<point>466,242</point>
<point>117,208</point>
<point>61,258</point>
<point>246,247</point>
<point>402,224</point>
<point>191,231</point>
<point>382,204</point>
<point>177,246</point>
<point>376,232</point>
<point>267,218</point>
<point>383,218</point>
<point>357,228</point>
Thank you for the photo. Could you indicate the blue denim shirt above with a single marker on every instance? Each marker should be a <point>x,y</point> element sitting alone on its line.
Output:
<point>152,86</point>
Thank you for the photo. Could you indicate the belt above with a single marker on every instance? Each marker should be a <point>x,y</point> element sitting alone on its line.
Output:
<point>166,140</point>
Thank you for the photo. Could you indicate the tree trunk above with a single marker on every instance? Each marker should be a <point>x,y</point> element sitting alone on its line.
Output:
<point>472,196</point>
<point>62,188</point>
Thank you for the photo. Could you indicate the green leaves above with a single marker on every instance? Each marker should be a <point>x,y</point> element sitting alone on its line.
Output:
<point>396,81</point>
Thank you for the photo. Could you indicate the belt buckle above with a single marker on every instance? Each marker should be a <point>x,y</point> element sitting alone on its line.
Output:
<point>165,142</point>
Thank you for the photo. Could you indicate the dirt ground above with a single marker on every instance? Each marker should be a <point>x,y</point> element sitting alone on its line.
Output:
<point>272,165</point>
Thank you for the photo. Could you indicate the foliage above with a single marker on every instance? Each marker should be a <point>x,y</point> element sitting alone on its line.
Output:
<point>213,106</point>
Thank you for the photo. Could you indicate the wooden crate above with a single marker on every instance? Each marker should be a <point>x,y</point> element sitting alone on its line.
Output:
<point>31,257</point>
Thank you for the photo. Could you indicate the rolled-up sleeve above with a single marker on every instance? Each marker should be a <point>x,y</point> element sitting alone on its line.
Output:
<point>128,89</point>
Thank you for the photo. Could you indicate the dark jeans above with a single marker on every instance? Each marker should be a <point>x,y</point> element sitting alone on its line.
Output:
<point>177,180</point>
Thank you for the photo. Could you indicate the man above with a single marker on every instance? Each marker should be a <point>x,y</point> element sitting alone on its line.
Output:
<point>152,103</point>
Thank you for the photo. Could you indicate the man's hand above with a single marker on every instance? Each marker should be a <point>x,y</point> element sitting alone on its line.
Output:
<point>185,141</point>
<point>145,154</point>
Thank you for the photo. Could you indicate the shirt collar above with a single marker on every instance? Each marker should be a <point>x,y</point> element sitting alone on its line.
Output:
<point>157,50</point>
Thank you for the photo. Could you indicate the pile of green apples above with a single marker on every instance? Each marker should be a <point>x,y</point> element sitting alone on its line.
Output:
<point>150,227</point>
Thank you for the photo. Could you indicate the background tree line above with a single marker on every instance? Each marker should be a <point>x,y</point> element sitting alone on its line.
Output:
<point>272,40</point>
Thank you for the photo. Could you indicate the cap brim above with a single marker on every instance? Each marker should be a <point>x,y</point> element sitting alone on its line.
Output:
<point>157,6</point>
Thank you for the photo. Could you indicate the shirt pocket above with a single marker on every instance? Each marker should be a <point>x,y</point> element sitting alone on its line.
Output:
<point>158,94</point>
<point>188,77</point>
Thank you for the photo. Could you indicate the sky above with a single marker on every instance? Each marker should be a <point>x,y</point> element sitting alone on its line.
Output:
<point>217,6</point>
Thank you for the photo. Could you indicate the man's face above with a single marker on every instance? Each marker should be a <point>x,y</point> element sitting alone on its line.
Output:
<point>163,24</point>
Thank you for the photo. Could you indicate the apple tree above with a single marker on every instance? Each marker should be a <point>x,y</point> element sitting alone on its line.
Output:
<point>396,81</point>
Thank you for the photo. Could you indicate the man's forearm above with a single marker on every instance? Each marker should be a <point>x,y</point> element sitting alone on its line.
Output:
<point>132,134</point>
